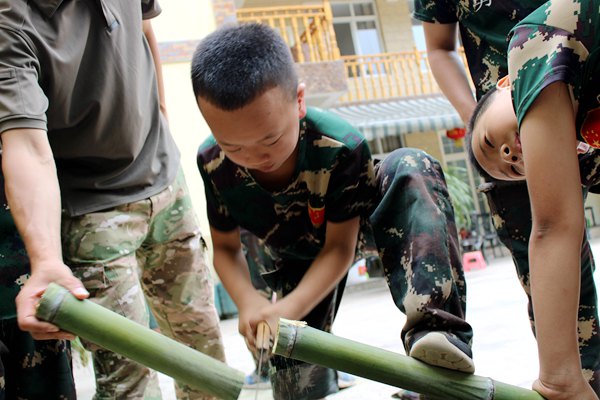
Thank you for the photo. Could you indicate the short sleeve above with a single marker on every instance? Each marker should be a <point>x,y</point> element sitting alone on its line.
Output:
<point>352,186</point>
<point>150,9</point>
<point>539,56</point>
<point>443,12</point>
<point>23,103</point>
<point>216,210</point>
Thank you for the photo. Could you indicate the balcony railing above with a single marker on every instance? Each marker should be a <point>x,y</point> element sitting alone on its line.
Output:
<point>308,30</point>
<point>389,75</point>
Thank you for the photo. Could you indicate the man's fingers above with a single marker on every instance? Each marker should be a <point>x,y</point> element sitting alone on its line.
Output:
<point>75,286</point>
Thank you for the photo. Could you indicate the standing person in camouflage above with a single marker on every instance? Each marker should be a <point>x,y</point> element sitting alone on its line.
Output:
<point>554,66</point>
<point>484,28</point>
<point>83,132</point>
<point>303,181</point>
<point>29,369</point>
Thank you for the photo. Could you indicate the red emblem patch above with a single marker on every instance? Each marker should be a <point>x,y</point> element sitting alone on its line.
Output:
<point>590,129</point>
<point>317,216</point>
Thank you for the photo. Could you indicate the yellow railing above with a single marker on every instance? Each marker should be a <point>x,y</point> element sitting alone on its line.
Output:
<point>308,30</point>
<point>389,75</point>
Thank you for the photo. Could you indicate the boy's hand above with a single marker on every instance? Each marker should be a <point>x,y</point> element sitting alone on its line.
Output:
<point>249,311</point>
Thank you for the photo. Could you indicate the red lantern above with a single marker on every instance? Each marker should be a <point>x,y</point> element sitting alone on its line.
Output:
<point>456,134</point>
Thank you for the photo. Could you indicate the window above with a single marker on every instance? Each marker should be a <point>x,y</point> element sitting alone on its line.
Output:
<point>355,25</point>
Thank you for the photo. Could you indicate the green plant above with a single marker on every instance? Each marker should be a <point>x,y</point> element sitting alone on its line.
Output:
<point>460,194</point>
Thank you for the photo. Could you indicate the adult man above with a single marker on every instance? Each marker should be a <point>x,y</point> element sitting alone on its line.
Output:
<point>79,91</point>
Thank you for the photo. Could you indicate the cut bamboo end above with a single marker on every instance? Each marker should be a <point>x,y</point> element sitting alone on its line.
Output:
<point>313,346</point>
<point>116,333</point>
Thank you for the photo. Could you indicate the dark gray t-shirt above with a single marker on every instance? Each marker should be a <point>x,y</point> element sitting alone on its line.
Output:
<point>83,71</point>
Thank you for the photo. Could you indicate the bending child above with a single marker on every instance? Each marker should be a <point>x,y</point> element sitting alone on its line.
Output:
<point>303,181</point>
<point>555,89</point>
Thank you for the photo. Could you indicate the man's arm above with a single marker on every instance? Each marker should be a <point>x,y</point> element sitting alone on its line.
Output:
<point>448,68</point>
<point>153,43</point>
<point>33,195</point>
<point>555,244</point>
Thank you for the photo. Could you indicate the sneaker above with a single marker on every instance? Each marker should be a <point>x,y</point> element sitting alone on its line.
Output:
<point>254,381</point>
<point>345,380</point>
<point>441,349</point>
<point>407,395</point>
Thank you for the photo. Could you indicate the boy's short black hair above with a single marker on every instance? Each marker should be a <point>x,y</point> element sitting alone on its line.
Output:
<point>481,106</point>
<point>235,64</point>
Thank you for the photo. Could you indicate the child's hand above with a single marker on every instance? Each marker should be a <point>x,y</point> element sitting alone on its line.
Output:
<point>575,389</point>
<point>248,312</point>
<point>271,314</point>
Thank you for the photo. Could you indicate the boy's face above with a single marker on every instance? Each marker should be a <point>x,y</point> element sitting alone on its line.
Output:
<point>262,135</point>
<point>495,140</point>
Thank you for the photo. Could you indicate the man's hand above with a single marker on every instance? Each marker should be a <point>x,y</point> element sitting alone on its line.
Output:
<point>31,293</point>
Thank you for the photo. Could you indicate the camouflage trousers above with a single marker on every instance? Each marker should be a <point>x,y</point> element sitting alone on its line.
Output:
<point>415,234</point>
<point>150,247</point>
<point>32,369</point>
<point>417,240</point>
<point>511,214</point>
<point>293,379</point>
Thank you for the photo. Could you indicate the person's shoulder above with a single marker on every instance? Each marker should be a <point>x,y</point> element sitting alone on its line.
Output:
<point>331,126</point>
<point>208,151</point>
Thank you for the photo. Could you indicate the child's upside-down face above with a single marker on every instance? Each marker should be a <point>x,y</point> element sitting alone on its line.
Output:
<point>495,140</point>
<point>262,135</point>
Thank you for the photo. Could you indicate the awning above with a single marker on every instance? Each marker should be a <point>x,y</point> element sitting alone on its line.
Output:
<point>378,120</point>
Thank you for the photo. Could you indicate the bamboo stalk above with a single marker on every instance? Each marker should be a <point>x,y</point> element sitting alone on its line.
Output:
<point>114,332</point>
<point>296,340</point>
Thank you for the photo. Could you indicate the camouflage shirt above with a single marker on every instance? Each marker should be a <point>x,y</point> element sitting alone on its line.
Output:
<point>560,42</point>
<point>14,264</point>
<point>484,26</point>
<point>333,181</point>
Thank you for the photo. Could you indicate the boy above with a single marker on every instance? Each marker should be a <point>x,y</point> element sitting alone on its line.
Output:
<point>303,181</point>
<point>554,71</point>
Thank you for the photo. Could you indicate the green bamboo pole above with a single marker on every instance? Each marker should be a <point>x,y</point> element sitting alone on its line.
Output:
<point>114,332</point>
<point>296,340</point>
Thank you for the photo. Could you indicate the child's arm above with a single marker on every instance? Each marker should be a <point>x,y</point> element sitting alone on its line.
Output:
<point>552,170</point>
<point>153,44</point>
<point>326,271</point>
<point>232,268</point>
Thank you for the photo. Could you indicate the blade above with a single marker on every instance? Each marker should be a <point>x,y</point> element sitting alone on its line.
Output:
<point>263,344</point>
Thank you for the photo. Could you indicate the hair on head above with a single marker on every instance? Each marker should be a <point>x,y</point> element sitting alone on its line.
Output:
<point>235,64</point>
<point>480,108</point>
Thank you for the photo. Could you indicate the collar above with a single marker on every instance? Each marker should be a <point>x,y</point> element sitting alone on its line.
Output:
<point>47,7</point>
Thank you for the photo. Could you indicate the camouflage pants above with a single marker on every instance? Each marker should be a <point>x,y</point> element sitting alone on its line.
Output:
<point>416,236</point>
<point>155,242</point>
<point>293,379</point>
<point>511,213</point>
<point>32,369</point>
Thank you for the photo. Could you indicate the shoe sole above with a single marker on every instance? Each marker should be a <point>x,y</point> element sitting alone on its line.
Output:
<point>435,349</point>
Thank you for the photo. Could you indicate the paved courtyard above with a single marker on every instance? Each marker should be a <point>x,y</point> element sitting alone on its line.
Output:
<point>503,346</point>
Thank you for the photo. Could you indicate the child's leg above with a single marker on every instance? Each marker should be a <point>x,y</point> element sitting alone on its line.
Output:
<point>417,239</point>
<point>293,379</point>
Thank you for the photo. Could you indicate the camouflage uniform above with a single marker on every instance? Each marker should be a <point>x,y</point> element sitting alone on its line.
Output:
<point>29,369</point>
<point>158,241</point>
<point>411,219</point>
<point>484,29</point>
<point>561,42</point>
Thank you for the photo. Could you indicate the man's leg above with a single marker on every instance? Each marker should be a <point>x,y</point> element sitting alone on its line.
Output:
<point>177,279</point>
<point>417,240</point>
<point>100,248</point>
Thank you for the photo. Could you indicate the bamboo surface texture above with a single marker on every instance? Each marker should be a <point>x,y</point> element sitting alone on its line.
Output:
<point>296,340</point>
<point>114,332</point>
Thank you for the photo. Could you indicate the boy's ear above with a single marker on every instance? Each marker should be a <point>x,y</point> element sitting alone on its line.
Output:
<point>301,101</point>
<point>503,83</point>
